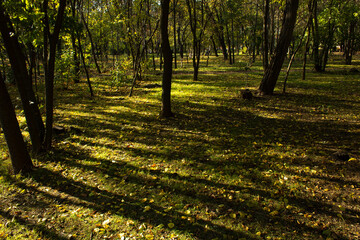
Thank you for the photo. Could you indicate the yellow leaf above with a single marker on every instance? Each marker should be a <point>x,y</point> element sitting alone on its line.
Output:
<point>146,208</point>
<point>274,213</point>
<point>149,237</point>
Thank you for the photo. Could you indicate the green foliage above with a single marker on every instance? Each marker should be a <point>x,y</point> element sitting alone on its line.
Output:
<point>120,73</point>
<point>64,74</point>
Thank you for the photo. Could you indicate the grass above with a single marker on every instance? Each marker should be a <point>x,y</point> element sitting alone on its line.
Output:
<point>223,168</point>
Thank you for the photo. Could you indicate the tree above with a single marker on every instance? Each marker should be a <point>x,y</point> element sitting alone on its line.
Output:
<point>167,53</point>
<point>349,29</point>
<point>266,34</point>
<point>49,59</point>
<point>198,22</point>
<point>272,72</point>
<point>23,80</point>
<point>20,158</point>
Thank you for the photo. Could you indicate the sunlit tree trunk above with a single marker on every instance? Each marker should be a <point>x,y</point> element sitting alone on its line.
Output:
<point>272,72</point>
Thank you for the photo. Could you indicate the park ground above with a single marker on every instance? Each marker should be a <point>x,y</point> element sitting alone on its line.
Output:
<point>222,168</point>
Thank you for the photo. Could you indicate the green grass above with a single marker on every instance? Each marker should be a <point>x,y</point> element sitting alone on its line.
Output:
<point>223,168</point>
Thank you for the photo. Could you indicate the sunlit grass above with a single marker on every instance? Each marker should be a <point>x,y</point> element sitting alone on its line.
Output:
<point>222,168</point>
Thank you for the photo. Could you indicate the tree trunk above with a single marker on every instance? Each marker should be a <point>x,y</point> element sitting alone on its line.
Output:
<point>91,42</point>
<point>84,65</point>
<point>174,32</point>
<point>266,35</point>
<point>316,39</point>
<point>254,36</point>
<point>75,49</point>
<point>50,71</point>
<point>167,53</point>
<point>23,81</point>
<point>20,158</point>
<point>214,46</point>
<point>272,72</point>
<point>350,43</point>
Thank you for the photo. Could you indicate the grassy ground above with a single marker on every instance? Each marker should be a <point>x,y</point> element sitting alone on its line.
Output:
<point>223,168</point>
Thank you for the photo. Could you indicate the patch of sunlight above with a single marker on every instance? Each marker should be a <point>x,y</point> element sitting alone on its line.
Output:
<point>115,109</point>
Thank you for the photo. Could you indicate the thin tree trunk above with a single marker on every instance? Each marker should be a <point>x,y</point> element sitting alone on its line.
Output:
<point>174,32</point>
<point>214,46</point>
<point>75,49</point>
<point>316,39</point>
<point>91,42</point>
<point>350,43</point>
<point>84,65</point>
<point>306,50</point>
<point>20,158</point>
<point>167,53</point>
<point>254,36</point>
<point>266,35</point>
<point>294,53</point>
<point>50,72</point>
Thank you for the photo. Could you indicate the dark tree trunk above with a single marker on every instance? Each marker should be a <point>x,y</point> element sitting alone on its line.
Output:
<point>75,48</point>
<point>306,47</point>
<point>316,39</point>
<point>254,43</point>
<point>306,50</point>
<point>50,69</point>
<point>23,81</point>
<point>349,46</point>
<point>20,158</point>
<point>93,48</point>
<point>222,44</point>
<point>229,44</point>
<point>167,53</point>
<point>272,72</point>
<point>214,46</point>
<point>84,64</point>
<point>174,32</point>
<point>266,35</point>
<point>181,44</point>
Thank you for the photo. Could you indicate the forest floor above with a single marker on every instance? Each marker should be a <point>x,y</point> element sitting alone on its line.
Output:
<point>222,168</point>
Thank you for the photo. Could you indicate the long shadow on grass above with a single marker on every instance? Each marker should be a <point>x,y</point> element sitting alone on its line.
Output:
<point>45,232</point>
<point>104,201</point>
<point>175,185</point>
<point>226,128</point>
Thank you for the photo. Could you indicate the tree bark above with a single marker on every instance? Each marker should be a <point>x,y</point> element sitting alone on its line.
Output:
<point>76,60</point>
<point>316,38</point>
<point>91,42</point>
<point>20,158</point>
<point>272,72</point>
<point>167,53</point>
<point>266,35</point>
<point>50,71</point>
<point>23,81</point>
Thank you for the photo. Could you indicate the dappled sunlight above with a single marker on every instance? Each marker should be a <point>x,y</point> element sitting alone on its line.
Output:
<point>223,167</point>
